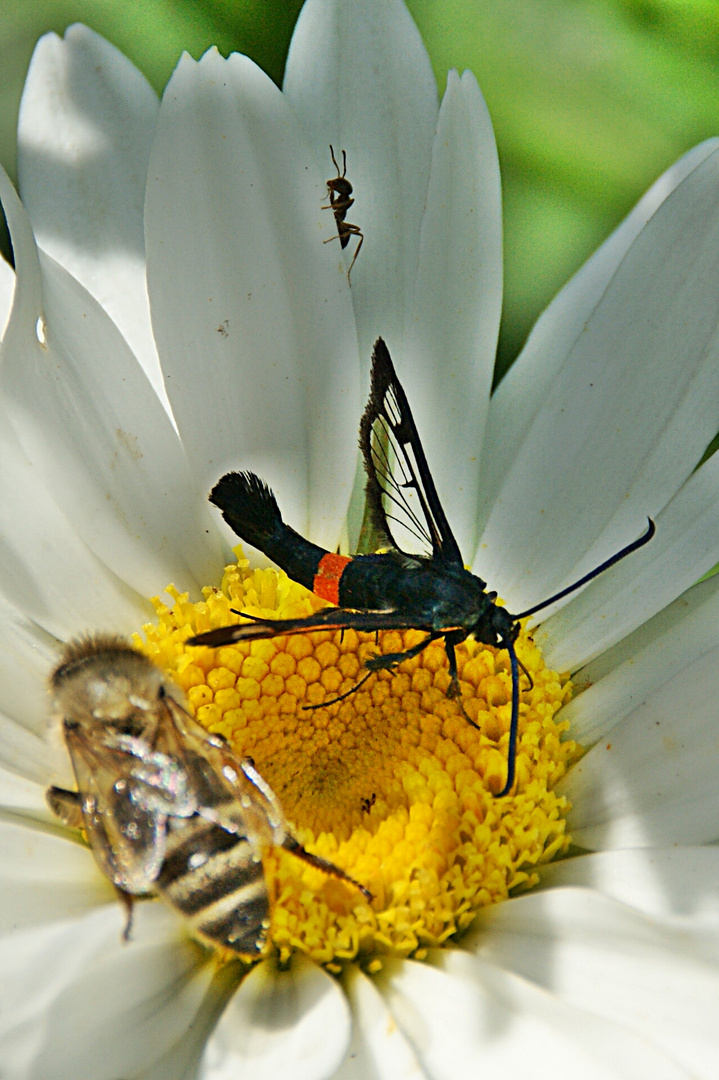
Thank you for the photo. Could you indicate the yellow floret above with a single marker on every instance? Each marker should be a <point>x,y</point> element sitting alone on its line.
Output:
<point>392,784</point>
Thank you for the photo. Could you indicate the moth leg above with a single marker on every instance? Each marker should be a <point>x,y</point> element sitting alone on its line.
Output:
<point>347,693</point>
<point>525,672</point>
<point>390,660</point>
<point>290,844</point>
<point>453,691</point>
<point>453,688</point>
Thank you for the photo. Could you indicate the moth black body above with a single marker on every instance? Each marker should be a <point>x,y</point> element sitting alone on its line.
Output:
<point>339,192</point>
<point>390,590</point>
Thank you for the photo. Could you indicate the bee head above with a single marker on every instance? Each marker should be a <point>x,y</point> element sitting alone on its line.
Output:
<point>104,680</point>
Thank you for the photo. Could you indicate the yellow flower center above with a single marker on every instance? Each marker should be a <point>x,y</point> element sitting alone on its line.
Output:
<point>392,784</point>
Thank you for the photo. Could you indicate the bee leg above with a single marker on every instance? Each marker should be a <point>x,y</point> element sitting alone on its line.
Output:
<point>127,901</point>
<point>390,660</point>
<point>290,844</point>
<point>66,805</point>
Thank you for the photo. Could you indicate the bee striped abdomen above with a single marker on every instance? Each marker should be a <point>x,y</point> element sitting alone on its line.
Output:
<point>215,878</point>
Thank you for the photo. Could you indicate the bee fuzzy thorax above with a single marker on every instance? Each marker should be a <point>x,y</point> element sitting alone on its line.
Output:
<point>102,677</point>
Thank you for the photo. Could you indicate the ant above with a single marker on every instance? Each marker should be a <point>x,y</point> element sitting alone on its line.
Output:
<point>339,192</point>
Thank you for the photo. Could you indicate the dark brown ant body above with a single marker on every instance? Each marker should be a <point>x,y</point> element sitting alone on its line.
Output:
<point>339,192</point>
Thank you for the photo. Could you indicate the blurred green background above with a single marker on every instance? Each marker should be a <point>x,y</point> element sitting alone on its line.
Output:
<point>591,99</point>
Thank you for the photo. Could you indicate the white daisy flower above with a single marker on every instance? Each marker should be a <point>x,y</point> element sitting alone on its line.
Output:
<point>175,312</point>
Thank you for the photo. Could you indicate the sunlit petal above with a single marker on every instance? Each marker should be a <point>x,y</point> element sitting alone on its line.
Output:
<point>378,1050</point>
<point>685,547</point>
<point>452,336</point>
<point>244,293</point>
<point>90,423</point>
<point>295,1023</point>
<point>528,384</point>
<point>613,685</point>
<point>652,781</point>
<point>640,973</point>
<point>87,121</point>
<point>359,77</point>
<point>619,434</point>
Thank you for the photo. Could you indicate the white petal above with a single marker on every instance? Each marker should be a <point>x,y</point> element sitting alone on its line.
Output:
<point>531,379</point>
<point>685,547</point>
<point>640,973</point>
<point>90,423</point>
<point>634,410</point>
<point>609,688</point>
<point>26,658</point>
<point>87,120</point>
<point>653,780</point>
<point>23,799</point>
<point>293,1024</point>
<point>681,883</point>
<point>46,570</point>
<point>250,310</point>
<point>452,337</point>
<point>26,754</point>
<point>378,1049</point>
<point>80,1002</point>
<point>467,1018</point>
<point>46,878</point>
<point>7,290</point>
<point>359,77</point>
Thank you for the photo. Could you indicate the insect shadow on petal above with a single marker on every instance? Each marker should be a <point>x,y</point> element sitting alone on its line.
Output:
<point>390,590</point>
<point>339,192</point>
<point>166,806</point>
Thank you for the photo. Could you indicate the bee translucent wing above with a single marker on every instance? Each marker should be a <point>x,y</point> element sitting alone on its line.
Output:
<point>216,778</point>
<point>402,499</point>
<point>127,838</point>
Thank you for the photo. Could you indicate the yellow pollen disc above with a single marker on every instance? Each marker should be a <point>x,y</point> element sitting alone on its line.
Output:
<point>393,784</point>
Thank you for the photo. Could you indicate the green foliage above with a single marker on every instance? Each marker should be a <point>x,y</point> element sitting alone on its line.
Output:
<point>591,99</point>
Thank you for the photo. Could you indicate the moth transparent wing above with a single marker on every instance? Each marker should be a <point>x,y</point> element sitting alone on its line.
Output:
<point>327,619</point>
<point>401,495</point>
<point>127,839</point>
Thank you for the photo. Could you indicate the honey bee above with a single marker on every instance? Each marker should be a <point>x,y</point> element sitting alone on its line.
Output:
<point>166,806</point>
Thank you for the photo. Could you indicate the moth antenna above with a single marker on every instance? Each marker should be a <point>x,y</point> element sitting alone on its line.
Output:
<point>514,722</point>
<point>634,546</point>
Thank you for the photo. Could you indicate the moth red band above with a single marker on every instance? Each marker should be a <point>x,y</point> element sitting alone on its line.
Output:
<point>327,579</point>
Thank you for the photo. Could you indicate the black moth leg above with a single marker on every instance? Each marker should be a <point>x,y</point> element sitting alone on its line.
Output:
<point>453,691</point>
<point>347,693</point>
<point>390,660</point>
<point>456,637</point>
<point>525,672</point>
